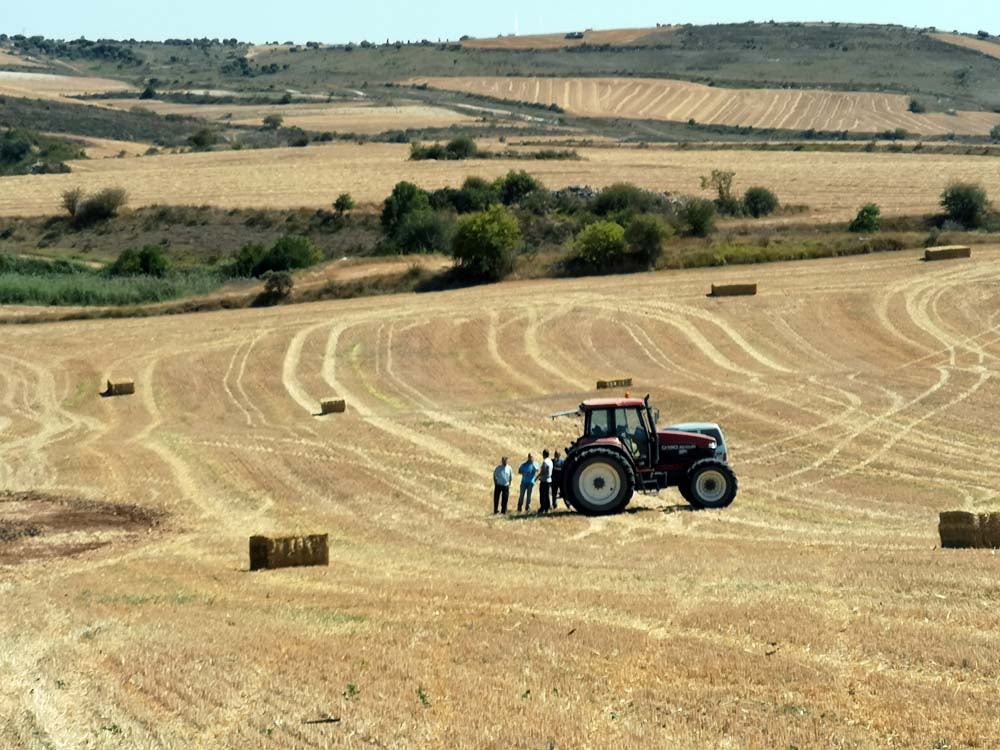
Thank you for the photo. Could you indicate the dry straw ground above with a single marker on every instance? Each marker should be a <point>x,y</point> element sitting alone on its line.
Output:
<point>986,46</point>
<point>339,117</point>
<point>833,185</point>
<point>859,396</point>
<point>50,86</point>
<point>680,101</point>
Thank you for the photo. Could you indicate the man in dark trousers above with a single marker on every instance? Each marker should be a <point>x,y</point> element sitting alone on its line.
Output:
<point>545,477</point>
<point>502,475</point>
<point>557,469</point>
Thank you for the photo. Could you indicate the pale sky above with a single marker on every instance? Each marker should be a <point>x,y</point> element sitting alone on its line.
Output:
<point>376,20</point>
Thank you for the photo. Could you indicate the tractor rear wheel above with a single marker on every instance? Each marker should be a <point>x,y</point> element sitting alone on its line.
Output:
<point>601,483</point>
<point>710,484</point>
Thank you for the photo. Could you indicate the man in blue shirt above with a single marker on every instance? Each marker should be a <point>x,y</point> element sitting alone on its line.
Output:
<point>501,485</point>
<point>528,471</point>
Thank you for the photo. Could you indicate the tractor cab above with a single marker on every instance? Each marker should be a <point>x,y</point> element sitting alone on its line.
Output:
<point>630,421</point>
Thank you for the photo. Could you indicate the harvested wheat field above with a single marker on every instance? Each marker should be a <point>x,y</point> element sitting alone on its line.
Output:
<point>986,46</point>
<point>859,397</point>
<point>49,85</point>
<point>680,101</point>
<point>558,41</point>
<point>832,185</point>
<point>9,59</point>
<point>339,117</point>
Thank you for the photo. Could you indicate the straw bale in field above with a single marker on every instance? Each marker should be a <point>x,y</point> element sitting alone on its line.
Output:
<point>947,252</point>
<point>332,406</point>
<point>733,290</point>
<point>989,527</point>
<point>289,551</point>
<point>619,383</point>
<point>120,388</point>
<point>959,528</point>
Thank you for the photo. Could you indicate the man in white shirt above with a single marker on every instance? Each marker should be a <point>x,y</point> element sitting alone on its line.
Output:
<point>546,480</point>
<point>502,476</point>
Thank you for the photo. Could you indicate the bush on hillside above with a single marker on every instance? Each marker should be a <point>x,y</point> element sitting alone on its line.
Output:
<point>423,231</point>
<point>405,198</point>
<point>148,261</point>
<point>485,243</point>
<point>288,253</point>
<point>601,246</point>
<point>645,236</point>
<point>86,210</point>
<point>869,219</point>
<point>624,197</point>
<point>722,182</point>
<point>698,215</point>
<point>995,134</point>
<point>515,186</point>
<point>759,201</point>
<point>966,204</point>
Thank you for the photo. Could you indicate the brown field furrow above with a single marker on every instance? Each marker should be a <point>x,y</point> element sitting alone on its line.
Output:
<point>857,395</point>
<point>801,109</point>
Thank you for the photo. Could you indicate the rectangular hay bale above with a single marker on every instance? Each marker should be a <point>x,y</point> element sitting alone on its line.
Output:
<point>289,551</point>
<point>120,387</point>
<point>332,406</point>
<point>989,529</point>
<point>619,383</point>
<point>947,252</point>
<point>734,290</point>
<point>959,529</point>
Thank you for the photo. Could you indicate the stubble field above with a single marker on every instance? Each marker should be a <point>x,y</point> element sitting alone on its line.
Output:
<point>832,185</point>
<point>859,397</point>
<point>680,101</point>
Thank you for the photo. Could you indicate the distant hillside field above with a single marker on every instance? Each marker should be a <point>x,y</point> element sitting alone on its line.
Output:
<point>558,41</point>
<point>50,86</point>
<point>832,185</point>
<point>680,101</point>
<point>985,46</point>
<point>16,61</point>
<point>344,117</point>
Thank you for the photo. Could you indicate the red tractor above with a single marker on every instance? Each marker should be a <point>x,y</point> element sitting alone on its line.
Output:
<point>622,451</point>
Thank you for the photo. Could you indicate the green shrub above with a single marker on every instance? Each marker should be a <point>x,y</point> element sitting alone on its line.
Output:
<point>623,197</point>
<point>869,219</point>
<point>759,201</point>
<point>405,198</point>
<point>87,210</point>
<point>14,147</point>
<point>917,106</point>
<point>462,147</point>
<point>515,186</point>
<point>995,134</point>
<point>343,204</point>
<point>600,246</point>
<point>278,285</point>
<point>288,253</point>
<point>698,215</point>
<point>645,236</point>
<point>485,243</point>
<point>965,203</point>
<point>247,259</point>
<point>456,149</point>
<point>722,182</point>
<point>273,122</point>
<point>148,261</point>
<point>203,139</point>
<point>423,231</point>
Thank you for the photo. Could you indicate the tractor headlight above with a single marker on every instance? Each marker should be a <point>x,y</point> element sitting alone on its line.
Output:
<point>712,445</point>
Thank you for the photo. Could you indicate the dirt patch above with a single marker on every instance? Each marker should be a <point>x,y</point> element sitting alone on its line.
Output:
<point>35,525</point>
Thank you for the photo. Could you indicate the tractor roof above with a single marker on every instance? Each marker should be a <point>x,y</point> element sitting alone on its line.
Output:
<point>612,403</point>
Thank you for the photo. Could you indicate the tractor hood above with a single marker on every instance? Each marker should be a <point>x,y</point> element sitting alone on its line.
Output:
<point>676,439</point>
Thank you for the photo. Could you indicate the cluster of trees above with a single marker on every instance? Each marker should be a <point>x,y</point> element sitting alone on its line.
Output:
<point>78,49</point>
<point>756,201</point>
<point>484,224</point>
<point>23,151</point>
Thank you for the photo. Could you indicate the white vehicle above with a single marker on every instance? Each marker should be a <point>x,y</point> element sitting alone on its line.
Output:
<point>706,428</point>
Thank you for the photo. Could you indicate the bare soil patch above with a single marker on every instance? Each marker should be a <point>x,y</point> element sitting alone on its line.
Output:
<point>37,526</point>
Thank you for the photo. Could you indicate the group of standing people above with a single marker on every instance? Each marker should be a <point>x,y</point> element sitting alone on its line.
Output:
<point>547,475</point>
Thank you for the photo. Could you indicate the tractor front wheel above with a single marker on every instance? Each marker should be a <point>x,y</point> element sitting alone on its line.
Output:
<point>710,484</point>
<point>600,484</point>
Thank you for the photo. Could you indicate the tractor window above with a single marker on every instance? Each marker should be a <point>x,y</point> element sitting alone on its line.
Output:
<point>599,426</point>
<point>631,430</point>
